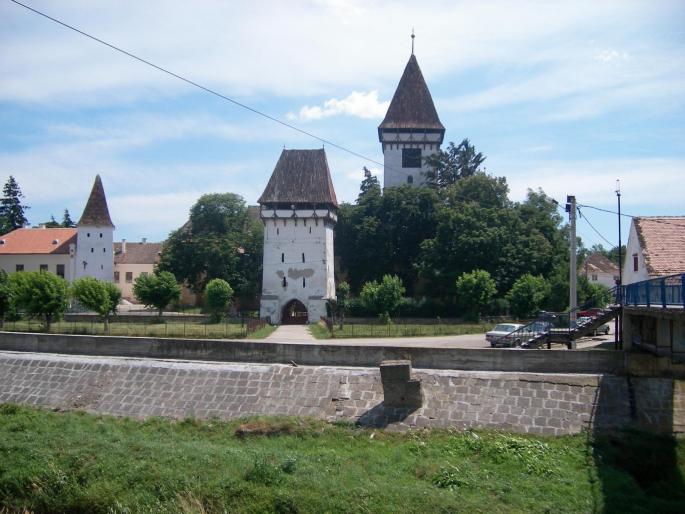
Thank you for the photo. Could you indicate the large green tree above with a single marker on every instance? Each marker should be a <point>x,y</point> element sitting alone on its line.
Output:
<point>39,293</point>
<point>384,297</point>
<point>474,291</point>
<point>446,167</point>
<point>11,209</point>
<point>157,290</point>
<point>96,295</point>
<point>67,222</point>
<point>220,240</point>
<point>528,295</point>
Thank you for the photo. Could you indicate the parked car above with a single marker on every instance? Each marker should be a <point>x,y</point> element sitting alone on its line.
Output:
<point>584,320</point>
<point>501,335</point>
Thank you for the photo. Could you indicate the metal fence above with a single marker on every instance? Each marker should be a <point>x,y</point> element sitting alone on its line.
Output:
<point>665,292</point>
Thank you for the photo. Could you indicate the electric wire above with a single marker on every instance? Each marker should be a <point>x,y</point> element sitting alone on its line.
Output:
<point>204,88</point>
<point>649,218</point>
<point>584,216</point>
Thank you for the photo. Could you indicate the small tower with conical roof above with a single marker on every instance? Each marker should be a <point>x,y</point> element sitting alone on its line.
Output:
<point>411,129</point>
<point>299,211</point>
<point>95,238</point>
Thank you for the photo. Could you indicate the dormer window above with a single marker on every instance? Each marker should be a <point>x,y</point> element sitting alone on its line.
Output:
<point>55,241</point>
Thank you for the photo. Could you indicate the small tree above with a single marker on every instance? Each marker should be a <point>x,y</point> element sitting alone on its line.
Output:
<point>99,296</point>
<point>343,301</point>
<point>5,296</point>
<point>40,293</point>
<point>527,295</point>
<point>67,222</point>
<point>475,290</point>
<point>218,294</point>
<point>157,290</point>
<point>11,210</point>
<point>383,298</point>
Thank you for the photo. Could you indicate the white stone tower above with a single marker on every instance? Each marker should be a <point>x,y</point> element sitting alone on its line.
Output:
<point>411,129</point>
<point>95,235</point>
<point>299,211</point>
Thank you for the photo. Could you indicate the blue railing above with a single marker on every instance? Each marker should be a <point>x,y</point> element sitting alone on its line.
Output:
<point>665,292</point>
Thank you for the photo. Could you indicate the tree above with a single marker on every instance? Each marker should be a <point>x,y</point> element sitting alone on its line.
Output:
<point>218,294</point>
<point>383,297</point>
<point>52,223</point>
<point>220,240</point>
<point>11,210</point>
<point>40,293</point>
<point>457,162</point>
<point>527,295</point>
<point>370,186</point>
<point>6,295</point>
<point>67,222</point>
<point>474,291</point>
<point>157,290</point>
<point>343,301</point>
<point>100,296</point>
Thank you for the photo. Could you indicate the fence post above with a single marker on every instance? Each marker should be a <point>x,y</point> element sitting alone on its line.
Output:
<point>663,292</point>
<point>648,293</point>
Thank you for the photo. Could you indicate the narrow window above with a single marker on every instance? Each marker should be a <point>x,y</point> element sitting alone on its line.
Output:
<point>304,283</point>
<point>129,277</point>
<point>92,250</point>
<point>20,267</point>
<point>282,257</point>
<point>411,157</point>
<point>310,230</point>
<point>303,257</point>
<point>104,250</point>
<point>100,235</point>
<point>278,231</point>
<point>60,270</point>
<point>285,283</point>
<point>43,267</point>
<point>116,277</point>
<point>304,222</point>
<point>88,234</point>
<point>634,262</point>
<point>410,179</point>
<point>284,222</point>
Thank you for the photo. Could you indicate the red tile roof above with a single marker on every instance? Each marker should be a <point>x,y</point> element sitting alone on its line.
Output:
<point>599,263</point>
<point>137,253</point>
<point>39,241</point>
<point>662,239</point>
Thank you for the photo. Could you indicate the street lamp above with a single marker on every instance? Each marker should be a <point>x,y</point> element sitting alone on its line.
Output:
<point>618,338</point>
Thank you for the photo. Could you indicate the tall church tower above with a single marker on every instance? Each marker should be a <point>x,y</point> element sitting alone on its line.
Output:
<point>411,129</point>
<point>95,235</point>
<point>299,211</point>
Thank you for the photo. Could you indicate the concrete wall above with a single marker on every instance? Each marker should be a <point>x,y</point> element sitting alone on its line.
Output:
<point>299,250</point>
<point>95,253</point>
<point>543,361</point>
<point>32,263</point>
<point>655,329</point>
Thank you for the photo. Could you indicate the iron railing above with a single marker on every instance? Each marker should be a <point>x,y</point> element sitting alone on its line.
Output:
<point>665,292</point>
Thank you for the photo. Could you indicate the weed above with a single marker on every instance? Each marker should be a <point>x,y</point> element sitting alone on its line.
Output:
<point>533,454</point>
<point>450,477</point>
<point>264,472</point>
<point>289,464</point>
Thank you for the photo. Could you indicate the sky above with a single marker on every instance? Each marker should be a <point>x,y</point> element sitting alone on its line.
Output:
<point>563,96</point>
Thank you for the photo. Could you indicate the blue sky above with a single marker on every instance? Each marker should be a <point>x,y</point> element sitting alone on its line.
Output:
<point>563,96</point>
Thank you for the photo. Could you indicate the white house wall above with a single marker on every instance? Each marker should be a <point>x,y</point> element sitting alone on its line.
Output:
<point>633,247</point>
<point>32,262</point>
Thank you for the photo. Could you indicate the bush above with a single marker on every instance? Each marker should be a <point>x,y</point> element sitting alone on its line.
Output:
<point>527,295</point>
<point>40,293</point>
<point>383,298</point>
<point>474,292</point>
<point>99,296</point>
<point>218,294</point>
<point>157,290</point>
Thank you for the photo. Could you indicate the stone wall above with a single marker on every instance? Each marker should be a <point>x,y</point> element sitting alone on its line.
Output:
<point>524,402</point>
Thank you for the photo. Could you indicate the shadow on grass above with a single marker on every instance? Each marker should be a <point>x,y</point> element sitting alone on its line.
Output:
<point>380,416</point>
<point>639,468</point>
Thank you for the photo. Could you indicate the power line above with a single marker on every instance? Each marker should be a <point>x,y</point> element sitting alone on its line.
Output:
<point>200,86</point>
<point>650,219</point>
<point>593,227</point>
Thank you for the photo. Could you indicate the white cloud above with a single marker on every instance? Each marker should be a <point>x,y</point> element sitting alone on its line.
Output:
<point>359,104</point>
<point>610,55</point>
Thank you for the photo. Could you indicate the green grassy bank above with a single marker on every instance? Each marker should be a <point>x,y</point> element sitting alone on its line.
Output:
<point>400,329</point>
<point>75,462</point>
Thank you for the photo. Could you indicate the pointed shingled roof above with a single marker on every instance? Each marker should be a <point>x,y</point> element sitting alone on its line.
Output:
<point>300,176</point>
<point>412,105</point>
<point>96,213</point>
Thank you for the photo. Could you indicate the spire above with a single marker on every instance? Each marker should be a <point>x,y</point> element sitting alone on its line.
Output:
<point>96,213</point>
<point>412,40</point>
<point>412,105</point>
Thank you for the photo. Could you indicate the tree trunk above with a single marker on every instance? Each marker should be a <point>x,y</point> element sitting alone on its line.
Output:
<point>161,310</point>
<point>342,319</point>
<point>48,322</point>
<point>106,325</point>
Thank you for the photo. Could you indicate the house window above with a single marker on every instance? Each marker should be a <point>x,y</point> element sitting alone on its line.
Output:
<point>635,262</point>
<point>304,282</point>
<point>60,270</point>
<point>43,267</point>
<point>278,231</point>
<point>116,277</point>
<point>20,267</point>
<point>410,179</point>
<point>303,257</point>
<point>129,277</point>
<point>411,157</point>
<point>310,230</point>
<point>594,278</point>
<point>92,250</point>
<point>104,250</point>
<point>285,282</point>
<point>282,257</point>
<point>100,235</point>
<point>88,234</point>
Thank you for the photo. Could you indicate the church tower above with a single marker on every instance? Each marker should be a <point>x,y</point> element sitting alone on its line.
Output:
<point>411,129</point>
<point>299,211</point>
<point>95,235</point>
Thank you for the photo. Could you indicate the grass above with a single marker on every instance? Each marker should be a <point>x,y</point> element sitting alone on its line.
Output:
<point>400,330</point>
<point>76,462</point>
<point>169,328</point>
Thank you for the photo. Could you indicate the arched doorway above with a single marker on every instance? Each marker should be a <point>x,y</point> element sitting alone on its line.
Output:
<point>294,313</point>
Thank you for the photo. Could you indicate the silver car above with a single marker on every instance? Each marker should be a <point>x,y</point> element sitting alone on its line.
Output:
<point>498,335</point>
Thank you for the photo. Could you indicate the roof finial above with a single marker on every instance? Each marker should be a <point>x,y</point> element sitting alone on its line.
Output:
<point>412,40</point>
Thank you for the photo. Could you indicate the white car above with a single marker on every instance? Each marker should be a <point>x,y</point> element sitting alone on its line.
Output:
<point>497,336</point>
<point>602,329</point>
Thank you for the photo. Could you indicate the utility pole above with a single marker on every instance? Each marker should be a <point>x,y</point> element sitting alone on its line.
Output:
<point>618,328</point>
<point>573,268</point>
